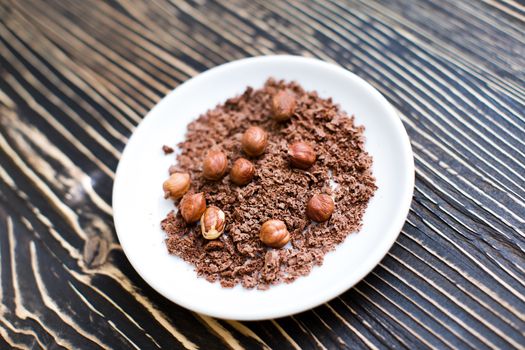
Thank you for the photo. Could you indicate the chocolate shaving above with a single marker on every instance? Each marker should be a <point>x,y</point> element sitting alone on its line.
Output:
<point>167,149</point>
<point>276,191</point>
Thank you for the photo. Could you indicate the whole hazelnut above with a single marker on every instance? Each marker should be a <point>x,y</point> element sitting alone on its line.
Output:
<point>192,206</point>
<point>283,105</point>
<point>242,171</point>
<point>176,185</point>
<point>320,207</point>
<point>254,141</point>
<point>302,155</point>
<point>213,222</point>
<point>214,165</point>
<point>274,233</point>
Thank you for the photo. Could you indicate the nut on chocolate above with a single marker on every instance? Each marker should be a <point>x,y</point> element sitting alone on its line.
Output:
<point>192,206</point>
<point>283,105</point>
<point>176,185</point>
<point>254,141</point>
<point>213,222</point>
<point>274,233</point>
<point>242,171</point>
<point>302,155</point>
<point>214,165</point>
<point>320,207</point>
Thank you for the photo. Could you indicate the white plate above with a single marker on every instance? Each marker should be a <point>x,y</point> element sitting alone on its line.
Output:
<point>139,206</point>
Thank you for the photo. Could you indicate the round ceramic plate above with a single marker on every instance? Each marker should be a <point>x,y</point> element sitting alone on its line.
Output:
<point>139,206</point>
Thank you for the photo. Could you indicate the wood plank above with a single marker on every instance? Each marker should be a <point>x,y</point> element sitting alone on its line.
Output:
<point>77,77</point>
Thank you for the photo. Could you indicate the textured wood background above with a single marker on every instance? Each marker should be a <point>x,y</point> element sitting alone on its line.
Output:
<point>78,76</point>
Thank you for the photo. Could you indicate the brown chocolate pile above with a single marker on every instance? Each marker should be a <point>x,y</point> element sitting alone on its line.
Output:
<point>276,192</point>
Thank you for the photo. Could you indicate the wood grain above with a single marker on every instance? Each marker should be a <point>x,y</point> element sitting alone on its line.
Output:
<point>78,76</point>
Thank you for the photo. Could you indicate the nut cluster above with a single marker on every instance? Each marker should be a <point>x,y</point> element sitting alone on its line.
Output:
<point>273,233</point>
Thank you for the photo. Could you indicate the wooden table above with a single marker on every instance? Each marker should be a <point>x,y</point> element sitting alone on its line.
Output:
<point>78,76</point>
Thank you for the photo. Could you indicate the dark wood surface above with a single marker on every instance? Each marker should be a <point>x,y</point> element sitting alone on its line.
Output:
<point>76,77</point>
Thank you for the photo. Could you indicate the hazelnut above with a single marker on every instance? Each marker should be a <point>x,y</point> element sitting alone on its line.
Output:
<point>242,171</point>
<point>214,165</point>
<point>192,206</point>
<point>176,185</point>
<point>274,233</point>
<point>320,207</point>
<point>283,105</point>
<point>302,155</point>
<point>254,141</point>
<point>213,222</point>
